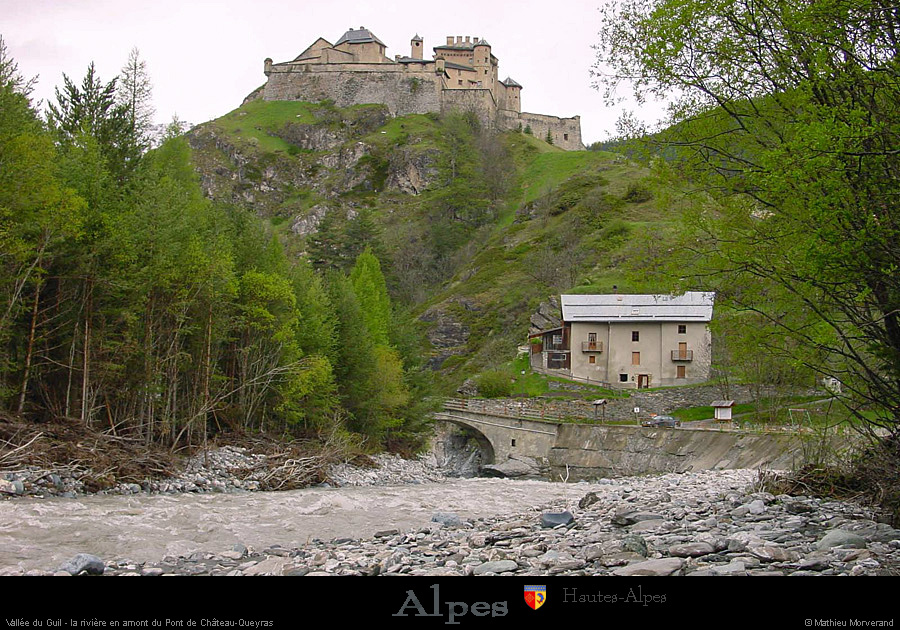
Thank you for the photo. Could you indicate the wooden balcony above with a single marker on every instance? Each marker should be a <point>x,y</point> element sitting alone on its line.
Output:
<point>682,355</point>
<point>592,346</point>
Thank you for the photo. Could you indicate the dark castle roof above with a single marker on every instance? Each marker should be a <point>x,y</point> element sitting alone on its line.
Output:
<point>361,35</point>
<point>510,82</point>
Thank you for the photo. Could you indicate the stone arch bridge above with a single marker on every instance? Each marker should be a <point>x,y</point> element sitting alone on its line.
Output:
<point>509,430</point>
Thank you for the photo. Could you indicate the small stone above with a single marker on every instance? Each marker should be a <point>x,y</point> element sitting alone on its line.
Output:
<point>691,550</point>
<point>841,538</point>
<point>12,487</point>
<point>387,533</point>
<point>588,500</point>
<point>446,520</point>
<point>498,566</point>
<point>630,517</point>
<point>151,571</point>
<point>555,519</point>
<point>270,566</point>
<point>84,562</point>
<point>735,567</point>
<point>757,507</point>
<point>814,562</point>
<point>660,566</point>
<point>635,544</point>
<point>647,526</point>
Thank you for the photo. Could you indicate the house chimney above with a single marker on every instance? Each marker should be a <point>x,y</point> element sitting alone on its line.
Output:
<point>449,40</point>
<point>467,39</point>
<point>459,39</point>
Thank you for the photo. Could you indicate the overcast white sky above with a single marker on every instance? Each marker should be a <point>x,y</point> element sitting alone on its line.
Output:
<point>205,56</point>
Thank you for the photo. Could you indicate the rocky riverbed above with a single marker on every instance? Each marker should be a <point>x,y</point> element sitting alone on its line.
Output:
<point>698,523</point>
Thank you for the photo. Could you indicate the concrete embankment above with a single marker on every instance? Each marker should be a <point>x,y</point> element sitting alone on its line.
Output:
<point>594,451</point>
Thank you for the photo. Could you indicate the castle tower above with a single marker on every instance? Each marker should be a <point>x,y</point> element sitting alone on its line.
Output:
<point>513,99</point>
<point>481,61</point>
<point>417,46</point>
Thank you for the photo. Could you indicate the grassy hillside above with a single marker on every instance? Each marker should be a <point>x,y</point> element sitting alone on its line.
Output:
<point>475,229</point>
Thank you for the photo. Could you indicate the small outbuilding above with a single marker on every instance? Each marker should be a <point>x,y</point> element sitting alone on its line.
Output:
<point>723,409</point>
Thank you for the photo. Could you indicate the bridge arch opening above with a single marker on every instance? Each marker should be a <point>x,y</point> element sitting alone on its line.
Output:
<point>462,441</point>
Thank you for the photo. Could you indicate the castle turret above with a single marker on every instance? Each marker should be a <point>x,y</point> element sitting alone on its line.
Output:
<point>481,61</point>
<point>417,45</point>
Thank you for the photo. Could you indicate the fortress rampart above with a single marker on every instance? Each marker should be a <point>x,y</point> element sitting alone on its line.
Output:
<point>463,76</point>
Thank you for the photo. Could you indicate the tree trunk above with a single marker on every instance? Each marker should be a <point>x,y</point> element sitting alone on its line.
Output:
<point>29,353</point>
<point>86,356</point>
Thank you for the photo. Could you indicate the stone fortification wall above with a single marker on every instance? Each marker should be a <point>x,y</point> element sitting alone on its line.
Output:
<point>479,101</point>
<point>401,90</point>
<point>566,132</point>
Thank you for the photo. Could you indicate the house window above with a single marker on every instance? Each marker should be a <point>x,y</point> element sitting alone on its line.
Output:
<point>592,359</point>
<point>635,358</point>
<point>682,329</point>
<point>680,372</point>
<point>557,340</point>
<point>623,378</point>
<point>635,335</point>
<point>460,81</point>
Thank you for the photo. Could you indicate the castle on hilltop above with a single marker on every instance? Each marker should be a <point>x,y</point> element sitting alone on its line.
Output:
<point>463,76</point>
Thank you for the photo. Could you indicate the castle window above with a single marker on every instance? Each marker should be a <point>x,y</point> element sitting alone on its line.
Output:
<point>635,335</point>
<point>623,378</point>
<point>460,81</point>
<point>565,136</point>
<point>592,359</point>
<point>635,358</point>
<point>682,329</point>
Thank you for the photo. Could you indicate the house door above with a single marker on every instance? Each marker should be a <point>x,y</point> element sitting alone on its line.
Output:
<point>682,350</point>
<point>643,381</point>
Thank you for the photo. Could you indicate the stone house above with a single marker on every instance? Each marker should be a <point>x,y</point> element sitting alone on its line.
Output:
<point>629,341</point>
<point>462,75</point>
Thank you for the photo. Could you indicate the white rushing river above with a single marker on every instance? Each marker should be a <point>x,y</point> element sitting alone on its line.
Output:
<point>44,533</point>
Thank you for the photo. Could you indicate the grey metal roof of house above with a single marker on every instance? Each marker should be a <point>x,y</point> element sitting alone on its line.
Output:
<point>694,306</point>
<point>359,36</point>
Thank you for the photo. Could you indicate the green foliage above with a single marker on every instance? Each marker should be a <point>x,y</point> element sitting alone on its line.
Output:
<point>549,137</point>
<point>637,193</point>
<point>797,148</point>
<point>123,289</point>
<point>494,384</point>
<point>528,130</point>
<point>371,291</point>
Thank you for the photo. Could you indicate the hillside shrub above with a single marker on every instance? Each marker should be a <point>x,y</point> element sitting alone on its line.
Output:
<point>637,193</point>
<point>494,384</point>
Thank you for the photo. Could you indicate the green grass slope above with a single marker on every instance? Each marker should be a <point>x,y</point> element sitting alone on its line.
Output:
<point>474,229</point>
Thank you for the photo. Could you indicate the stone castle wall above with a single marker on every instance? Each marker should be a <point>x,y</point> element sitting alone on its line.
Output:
<point>480,101</point>
<point>566,132</point>
<point>401,90</point>
<point>408,90</point>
